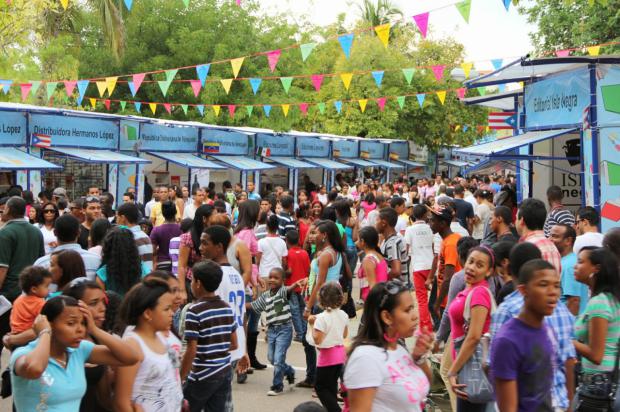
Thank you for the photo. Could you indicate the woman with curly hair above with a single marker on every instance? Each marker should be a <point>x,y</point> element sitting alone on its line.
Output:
<point>121,266</point>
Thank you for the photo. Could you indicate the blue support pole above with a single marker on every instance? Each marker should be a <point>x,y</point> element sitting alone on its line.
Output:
<point>595,141</point>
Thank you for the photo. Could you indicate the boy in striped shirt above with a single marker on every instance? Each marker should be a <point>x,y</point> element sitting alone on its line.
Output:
<point>274,303</point>
<point>210,331</point>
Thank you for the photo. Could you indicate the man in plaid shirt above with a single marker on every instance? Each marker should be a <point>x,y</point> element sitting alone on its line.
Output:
<point>530,221</point>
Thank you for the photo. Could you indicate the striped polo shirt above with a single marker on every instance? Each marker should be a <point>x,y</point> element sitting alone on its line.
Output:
<point>210,322</point>
<point>275,305</point>
<point>145,247</point>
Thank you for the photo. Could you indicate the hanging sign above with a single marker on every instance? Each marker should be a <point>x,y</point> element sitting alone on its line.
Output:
<point>277,145</point>
<point>375,149</point>
<point>399,150</point>
<point>224,142</point>
<point>158,137</point>
<point>13,129</point>
<point>347,149</point>
<point>69,131</point>
<point>312,147</point>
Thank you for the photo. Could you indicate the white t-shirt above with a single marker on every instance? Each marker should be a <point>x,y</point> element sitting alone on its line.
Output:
<point>588,239</point>
<point>48,237</point>
<point>189,211</point>
<point>484,213</point>
<point>419,238</point>
<point>401,384</point>
<point>231,290</point>
<point>273,250</point>
<point>401,225</point>
<point>332,323</point>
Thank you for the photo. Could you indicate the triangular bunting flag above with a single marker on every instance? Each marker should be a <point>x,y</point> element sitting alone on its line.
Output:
<point>102,87</point>
<point>231,110</point>
<point>408,73</point>
<point>562,53</point>
<point>321,107</point>
<point>216,109</point>
<point>201,109</point>
<point>594,50</point>
<point>421,20</point>
<point>202,71</point>
<point>438,71</point>
<point>267,110</point>
<point>255,83</point>
<point>346,41</point>
<point>421,97</point>
<point>497,63</point>
<point>501,88</point>
<point>363,103</point>
<point>93,102</point>
<point>137,81</point>
<point>378,76</point>
<point>70,86</point>
<point>317,80</point>
<point>196,86</point>
<point>186,2</point>
<point>184,108</point>
<point>138,106</point>
<point>168,108</point>
<point>482,90</point>
<point>128,4</point>
<point>306,49</point>
<point>64,3</point>
<point>82,85</point>
<point>460,92</point>
<point>272,58</point>
<point>153,107</point>
<point>303,108</point>
<point>25,88</point>
<point>50,87</point>
<point>249,109</point>
<point>35,86</point>
<point>236,65</point>
<point>346,79</point>
<point>338,106</point>
<point>464,7</point>
<point>286,83</point>
<point>441,94</point>
<point>106,103</point>
<point>170,74</point>
<point>383,33</point>
<point>164,85</point>
<point>401,101</point>
<point>507,4</point>
<point>226,83</point>
<point>285,109</point>
<point>381,103</point>
<point>123,104</point>
<point>132,87</point>
<point>467,68</point>
<point>111,84</point>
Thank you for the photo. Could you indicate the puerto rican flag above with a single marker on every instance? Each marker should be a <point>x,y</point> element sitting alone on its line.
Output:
<point>41,140</point>
<point>502,120</point>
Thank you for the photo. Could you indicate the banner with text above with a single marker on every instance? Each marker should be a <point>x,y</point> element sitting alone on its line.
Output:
<point>399,150</point>
<point>348,149</point>
<point>277,145</point>
<point>312,147</point>
<point>12,129</point>
<point>375,150</point>
<point>157,137</point>
<point>68,131</point>
<point>225,142</point>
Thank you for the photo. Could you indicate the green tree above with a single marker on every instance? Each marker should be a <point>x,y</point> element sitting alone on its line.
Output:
<point>379,13</point>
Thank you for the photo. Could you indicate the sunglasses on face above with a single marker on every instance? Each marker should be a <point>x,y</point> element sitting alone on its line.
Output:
<point>49,211</point>
<point>392,288</point>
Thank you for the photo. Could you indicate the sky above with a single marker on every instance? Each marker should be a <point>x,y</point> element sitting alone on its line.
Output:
<point>491,33</point>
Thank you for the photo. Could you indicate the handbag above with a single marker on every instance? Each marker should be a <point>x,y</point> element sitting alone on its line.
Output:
<point>479,389</point>
<point>599,392</point>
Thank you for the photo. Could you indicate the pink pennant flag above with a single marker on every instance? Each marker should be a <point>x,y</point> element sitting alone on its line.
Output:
<point>303,107</point>
<point>106,103</point>
<point>231,110</point>
<point>562,53</point>
<point>137,80</point>
<point>238,2</point>
<point>317,80</point>
<point>273,57</point>
<point>196,85</point>
<point>70,86</point>
<point>381,103</point>
<point>25,90</point>
<point>438,71</point>
<point>460,92</point>
<point>168,107</point>
<point>421,20</point>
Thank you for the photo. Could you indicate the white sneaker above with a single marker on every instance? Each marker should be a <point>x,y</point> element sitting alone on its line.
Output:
<point>275,392</point>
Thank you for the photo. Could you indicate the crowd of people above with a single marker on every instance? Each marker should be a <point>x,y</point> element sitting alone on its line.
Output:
<point>159,307</point>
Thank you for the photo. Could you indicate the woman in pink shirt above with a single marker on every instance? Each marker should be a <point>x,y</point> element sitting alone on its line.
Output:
<point>374,267</point>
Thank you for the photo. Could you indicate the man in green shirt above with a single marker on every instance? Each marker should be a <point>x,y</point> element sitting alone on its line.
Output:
<point>20,245</point>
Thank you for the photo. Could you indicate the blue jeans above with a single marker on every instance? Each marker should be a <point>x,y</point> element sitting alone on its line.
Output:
<point>279,338</point>
<point>229,406</point>
<point>209,394</point>
<point>297,305</point>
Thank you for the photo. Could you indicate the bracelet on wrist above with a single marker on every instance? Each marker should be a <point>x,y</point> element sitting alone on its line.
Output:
<point>452,374</point>
<point>421,359</point>
<point>44,331</point>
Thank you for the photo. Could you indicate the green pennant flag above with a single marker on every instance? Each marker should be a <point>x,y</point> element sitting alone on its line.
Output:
<point>51,86</point>
<point>286,83</point>
<point>249,109</point>
<point>321,107</point>
<point>306,49</point>
<point>123,103</point>
<point>35,86</point>
<point>170,74</point>
<point>482,90</point>
<point>164,86</point>
<point>401,101</point>
<point>186,2</point>
<point>464,7</point>
<point>184,107</point>
<point>408,74</point>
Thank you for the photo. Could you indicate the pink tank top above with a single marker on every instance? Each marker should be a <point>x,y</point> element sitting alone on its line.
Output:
<point>381,275</point>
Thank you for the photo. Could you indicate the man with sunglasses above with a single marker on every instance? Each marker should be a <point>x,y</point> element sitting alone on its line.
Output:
<point>92,212</point>
<point>586,226</point>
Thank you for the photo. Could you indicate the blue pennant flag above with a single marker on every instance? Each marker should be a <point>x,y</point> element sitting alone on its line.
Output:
<point>421,97</point>
<point>338,106</point>
<point>255,83</point>
<point>128,3</point>
<point>82,85</point>
<point>378,76</point>
<point>202,71</point>
<point>497,63</point>
<point>267,110</point>
<point>6,85</point>
<point>201,109</point>
<point>132,88</point>
<point>465,127</point>
<point>138,106</point>
<point>507,4</point>
<point>346,41</point>
<point>501,88</point>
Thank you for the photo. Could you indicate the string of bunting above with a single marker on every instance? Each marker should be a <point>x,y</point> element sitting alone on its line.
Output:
<point>128,3</point>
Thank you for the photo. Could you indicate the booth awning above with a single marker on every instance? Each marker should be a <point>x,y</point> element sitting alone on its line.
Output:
<point>14,159</point>
<point>98,155</point>
<point>387,165</point>
<point>455,163</point>
<point>489,167</point>
<point>509,143</point>
<point>290,162</point>
<point>187,160</point>
<point>411,163</point>
<point>243,163</point>
<point>327,163</point>
<point>359,162</point>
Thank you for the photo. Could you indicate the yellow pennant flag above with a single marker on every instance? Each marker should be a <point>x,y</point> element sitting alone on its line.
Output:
<point>93,102</point>
<point>442,96</point>
<point>64,3</point>
<point>236,65</point>
<point>285,109</point>
<point>216,109</point>
<point>467,68</point>
<point>346,79</point>
<point>110,84</point>
<point>226,83</point>
<point>383,33</point>
<point>153,107</point>
<point>363,103</point>
<point>457,127</point>
<point>594,50</point>
<point>102,87</point>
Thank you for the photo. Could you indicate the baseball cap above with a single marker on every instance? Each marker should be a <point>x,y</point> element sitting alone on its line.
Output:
<point>444,212</point>
<point>59,192</point>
